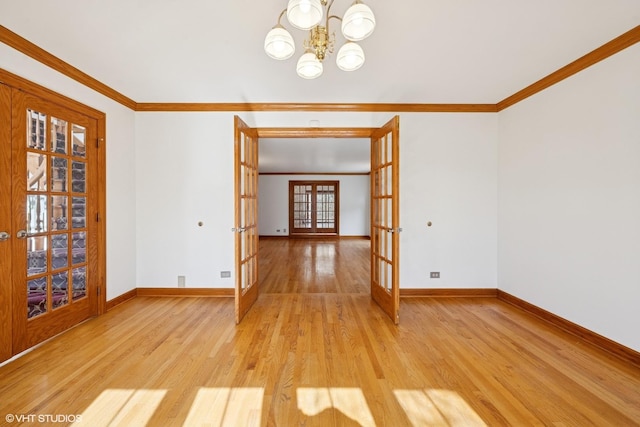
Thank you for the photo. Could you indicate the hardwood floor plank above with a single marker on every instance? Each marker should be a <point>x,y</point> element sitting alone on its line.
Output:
<point>327,356</point>
<point>167,356</point>
<point>289,266</point>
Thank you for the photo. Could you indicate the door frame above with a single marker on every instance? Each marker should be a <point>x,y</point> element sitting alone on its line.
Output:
<point>18,83</point>
<point>319,132</point>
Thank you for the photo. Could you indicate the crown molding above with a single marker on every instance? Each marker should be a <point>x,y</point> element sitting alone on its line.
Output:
<point>616,45</point>
<point>332,107</point>
<point>24,46</point>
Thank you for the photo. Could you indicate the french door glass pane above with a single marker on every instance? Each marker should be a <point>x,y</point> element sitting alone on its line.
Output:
<point>78,136</point>
<point>79,248</point>
<point>37,218</point>
<point>78,177</point>
<point>59,251</point>
<point>59,214</point>
<point>36,172</point>
<point>58,136</point>
<point>36,297</point>
<point>78,212</point>
<point>59,167</point>
<point>79,283</point>
<point>36,128</point>
<point>36,255</point>
<point>60,289</point>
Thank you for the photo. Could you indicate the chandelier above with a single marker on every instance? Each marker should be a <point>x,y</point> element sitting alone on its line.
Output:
<point>358,23</point>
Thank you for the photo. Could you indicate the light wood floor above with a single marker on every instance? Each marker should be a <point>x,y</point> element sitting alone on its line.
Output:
<point>314,266</point>
<point>321,359</point>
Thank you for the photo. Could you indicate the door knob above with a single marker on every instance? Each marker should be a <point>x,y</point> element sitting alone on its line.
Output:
<point>4,236</point>
<point>22,234</point>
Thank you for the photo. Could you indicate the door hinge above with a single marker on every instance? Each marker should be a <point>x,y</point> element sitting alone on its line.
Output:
<point>98,141</point>
<point>98,290</point>
<point>98,217</point>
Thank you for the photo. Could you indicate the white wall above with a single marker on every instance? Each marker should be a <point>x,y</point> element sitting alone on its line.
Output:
<point>273,209</point>
<point>121,215</point>
<point>569,198</point>
<point>184,174</point>
<point>449,176</point>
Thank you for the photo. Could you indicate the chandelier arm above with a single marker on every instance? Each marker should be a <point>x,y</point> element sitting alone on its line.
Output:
<point>281,15</point>
<point>328,13</point>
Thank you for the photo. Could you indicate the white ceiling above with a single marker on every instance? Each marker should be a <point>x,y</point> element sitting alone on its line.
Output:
<point>422,51</point>
<point>314,155</point>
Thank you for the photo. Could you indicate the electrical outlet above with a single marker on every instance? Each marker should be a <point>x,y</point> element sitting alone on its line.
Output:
<point>182,280</point>
<point>225,274</point>
<point>435,275</point>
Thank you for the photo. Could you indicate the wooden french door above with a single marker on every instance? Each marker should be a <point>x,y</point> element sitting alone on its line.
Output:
<point>51,268</point>
<point>314,208</point>
<point>385,218</point>
<point>246,216</point>
<point>5,224</point>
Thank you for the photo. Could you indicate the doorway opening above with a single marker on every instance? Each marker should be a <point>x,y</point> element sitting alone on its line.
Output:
<point>383,199</point>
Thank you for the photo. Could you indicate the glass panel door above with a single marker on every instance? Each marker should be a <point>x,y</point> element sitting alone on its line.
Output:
<point>385,218</point>
<point>313,207</point>
<point>326,208</point>
<point>246,217</point>
<point>302,209</point>
<point>5,223</point>
<point>54,185</point>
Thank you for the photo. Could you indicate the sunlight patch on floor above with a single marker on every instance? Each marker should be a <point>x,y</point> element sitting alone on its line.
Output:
<point>437,408</point>
<point>122,407</point>
<point>226,406</point>
<point>350,401</point>
<point>233,406</point>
